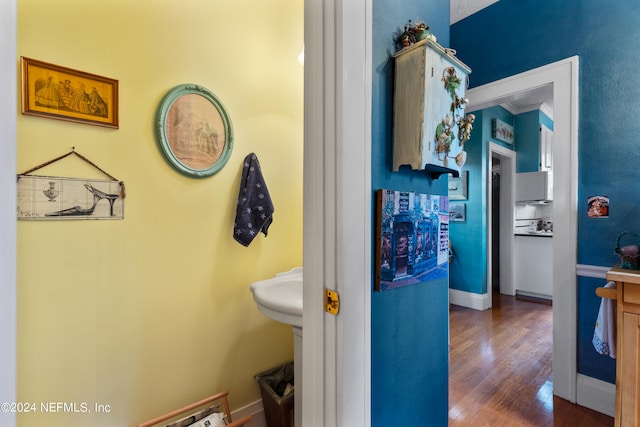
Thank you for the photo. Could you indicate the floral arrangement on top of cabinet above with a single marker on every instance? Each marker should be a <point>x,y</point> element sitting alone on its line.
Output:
<point>429,125</point>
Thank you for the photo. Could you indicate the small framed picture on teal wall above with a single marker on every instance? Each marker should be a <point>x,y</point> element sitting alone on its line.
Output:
<point>458,186</point>
<point>502,131</point>
<point>457,212</point>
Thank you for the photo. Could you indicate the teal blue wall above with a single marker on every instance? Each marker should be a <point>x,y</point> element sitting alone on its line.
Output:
<point>527,141</point>
<point>467,243</point>
<point>512,36</point>
<point>527,131</point>
<point>409,325</point>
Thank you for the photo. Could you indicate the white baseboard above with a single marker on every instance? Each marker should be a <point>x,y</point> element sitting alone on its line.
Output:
<point>596,394</point>
<point>469,299</point>
<point>256,409</point>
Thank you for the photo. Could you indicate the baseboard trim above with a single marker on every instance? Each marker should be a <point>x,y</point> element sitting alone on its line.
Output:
<point>469,299</point>
<point>596,394</point>
<point>256,409</point>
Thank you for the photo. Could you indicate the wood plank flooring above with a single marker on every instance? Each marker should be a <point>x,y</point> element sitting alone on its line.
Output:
<point>500,369</point>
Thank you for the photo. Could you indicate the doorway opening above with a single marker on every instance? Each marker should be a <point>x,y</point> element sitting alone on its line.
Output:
<point>500,220</point>
<point>562,78</point>
<point>495,224</point>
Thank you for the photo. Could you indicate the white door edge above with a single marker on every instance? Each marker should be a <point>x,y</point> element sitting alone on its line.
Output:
<point>337,213</point>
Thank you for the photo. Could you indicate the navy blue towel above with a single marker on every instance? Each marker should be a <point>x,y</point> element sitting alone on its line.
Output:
<point>254,212</point>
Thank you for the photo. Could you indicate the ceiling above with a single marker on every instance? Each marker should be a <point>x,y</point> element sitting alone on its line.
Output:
<point>539,98</point>
<point>460,9</point>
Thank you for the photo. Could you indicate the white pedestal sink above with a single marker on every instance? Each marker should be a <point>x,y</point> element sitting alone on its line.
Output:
<point>280,298</point>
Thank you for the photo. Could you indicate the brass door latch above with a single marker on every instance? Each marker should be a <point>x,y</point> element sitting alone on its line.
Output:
<point>331,301</point>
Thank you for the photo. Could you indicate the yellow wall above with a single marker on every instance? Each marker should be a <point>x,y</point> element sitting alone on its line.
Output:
<point>154,311</point>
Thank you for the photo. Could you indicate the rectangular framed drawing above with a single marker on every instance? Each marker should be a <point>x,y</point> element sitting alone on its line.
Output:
<point>457,212</point>
<point>62,93</point>
<point>412,238</point>
<point>58,198</point>
<point>458,186</point>
<point>502,131</point>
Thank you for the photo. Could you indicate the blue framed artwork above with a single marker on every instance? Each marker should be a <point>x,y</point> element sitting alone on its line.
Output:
<point>412,238</point>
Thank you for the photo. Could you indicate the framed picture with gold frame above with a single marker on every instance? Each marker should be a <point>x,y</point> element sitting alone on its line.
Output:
<point>62,93</point>
<point>194,131</point>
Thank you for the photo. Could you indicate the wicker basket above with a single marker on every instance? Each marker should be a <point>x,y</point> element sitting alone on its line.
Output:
<point>629,254</point>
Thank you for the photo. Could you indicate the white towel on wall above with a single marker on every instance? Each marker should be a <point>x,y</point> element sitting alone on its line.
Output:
<point>604,335</point>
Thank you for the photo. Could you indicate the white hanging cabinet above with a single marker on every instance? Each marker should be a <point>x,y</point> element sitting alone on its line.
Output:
<point>421,103</point>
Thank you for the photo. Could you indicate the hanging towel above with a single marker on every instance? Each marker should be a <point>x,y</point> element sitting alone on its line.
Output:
<point>254,212</point>
<point>604,335</point>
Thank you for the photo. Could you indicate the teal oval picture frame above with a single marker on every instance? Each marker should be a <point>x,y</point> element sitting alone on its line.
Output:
<point>194,131</point>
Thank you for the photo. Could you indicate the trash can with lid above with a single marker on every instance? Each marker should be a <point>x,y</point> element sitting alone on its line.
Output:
<point>276,387</point>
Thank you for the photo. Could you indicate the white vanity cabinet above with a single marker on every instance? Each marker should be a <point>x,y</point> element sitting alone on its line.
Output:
<point>421,102</point>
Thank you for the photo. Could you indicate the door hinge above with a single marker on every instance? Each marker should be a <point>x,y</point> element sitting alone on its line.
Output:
<point>331,301</point>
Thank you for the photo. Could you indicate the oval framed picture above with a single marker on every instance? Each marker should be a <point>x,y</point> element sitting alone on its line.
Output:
<point>194,131</point>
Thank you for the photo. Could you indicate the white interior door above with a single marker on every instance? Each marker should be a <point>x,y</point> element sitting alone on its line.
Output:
<point>8,212</point>
<point>337,213</point>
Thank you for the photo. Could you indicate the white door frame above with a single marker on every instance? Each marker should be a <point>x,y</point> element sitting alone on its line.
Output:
<point>336,378</point>
<point>507,202</point>
<point>564,77</point>
<point>8,74</point>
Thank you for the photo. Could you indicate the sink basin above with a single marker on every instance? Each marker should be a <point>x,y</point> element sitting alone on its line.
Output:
<point>280,298</point>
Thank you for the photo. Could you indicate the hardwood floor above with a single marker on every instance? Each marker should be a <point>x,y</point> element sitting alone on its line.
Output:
<point>500,369</point>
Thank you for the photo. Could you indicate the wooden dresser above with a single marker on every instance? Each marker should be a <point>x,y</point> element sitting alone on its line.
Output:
<point>628,346</point>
